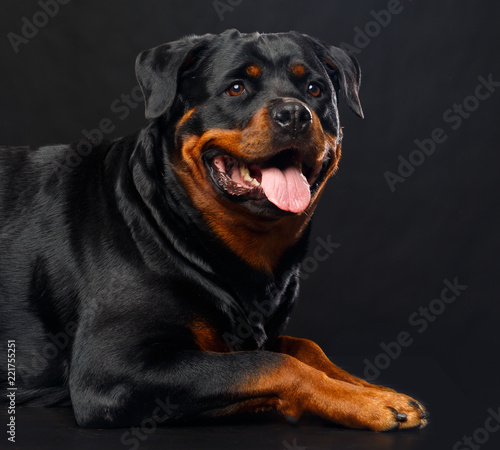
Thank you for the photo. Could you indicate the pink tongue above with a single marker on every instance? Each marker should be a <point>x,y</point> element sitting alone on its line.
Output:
<point>287,189</point>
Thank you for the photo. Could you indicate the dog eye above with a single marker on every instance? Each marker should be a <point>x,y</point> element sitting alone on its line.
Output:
<point>236,89</point>
<point>314,90</point>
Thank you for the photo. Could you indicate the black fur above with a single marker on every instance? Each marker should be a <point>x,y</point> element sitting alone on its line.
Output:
<point>103,266</point>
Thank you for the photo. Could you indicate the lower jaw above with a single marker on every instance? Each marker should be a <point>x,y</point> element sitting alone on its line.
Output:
<point>263,209</point>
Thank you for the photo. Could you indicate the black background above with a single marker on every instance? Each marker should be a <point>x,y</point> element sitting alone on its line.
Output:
<point>396,248</point>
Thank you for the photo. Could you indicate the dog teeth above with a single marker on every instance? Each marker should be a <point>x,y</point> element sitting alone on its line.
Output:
<point>245,173</point>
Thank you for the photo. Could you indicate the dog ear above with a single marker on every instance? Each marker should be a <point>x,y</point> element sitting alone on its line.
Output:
<point>158,70</point>
<point>345,73</point>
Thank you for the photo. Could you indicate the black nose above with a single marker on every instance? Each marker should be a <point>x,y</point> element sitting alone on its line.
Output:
<point>292,116</point>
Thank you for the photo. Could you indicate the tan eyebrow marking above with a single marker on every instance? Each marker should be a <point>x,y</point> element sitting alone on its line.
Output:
<point>253,71</point>
<point>298,70</point>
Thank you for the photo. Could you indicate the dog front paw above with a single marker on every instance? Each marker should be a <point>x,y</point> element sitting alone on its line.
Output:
<point>389,410</point>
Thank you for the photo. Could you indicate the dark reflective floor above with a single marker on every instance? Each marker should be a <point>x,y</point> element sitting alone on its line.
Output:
<point>453,417</point>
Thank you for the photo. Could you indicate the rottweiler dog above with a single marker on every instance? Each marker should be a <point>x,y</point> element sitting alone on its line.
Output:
<point>162,268</point>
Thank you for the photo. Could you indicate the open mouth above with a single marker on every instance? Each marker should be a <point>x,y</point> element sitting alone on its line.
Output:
<point>283,180</point>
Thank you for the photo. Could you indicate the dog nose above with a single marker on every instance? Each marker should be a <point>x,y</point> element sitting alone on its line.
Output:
<point>291,116</point>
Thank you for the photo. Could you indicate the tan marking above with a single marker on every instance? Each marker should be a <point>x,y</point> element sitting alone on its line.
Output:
<point>294,388</point>
<point>253,71</point>
<point>182,121</point>
<point>206,336</point>
<point>298,70</point>
<point>311,354</point>
<point>258,241</point>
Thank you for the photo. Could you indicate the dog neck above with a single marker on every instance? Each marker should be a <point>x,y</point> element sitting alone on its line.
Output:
<point>258,241</point>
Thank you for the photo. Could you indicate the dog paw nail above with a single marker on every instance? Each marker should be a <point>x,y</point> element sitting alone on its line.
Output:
<point>401,417</point>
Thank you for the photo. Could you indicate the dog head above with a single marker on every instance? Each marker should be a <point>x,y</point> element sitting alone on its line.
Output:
<point>252,119</point>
